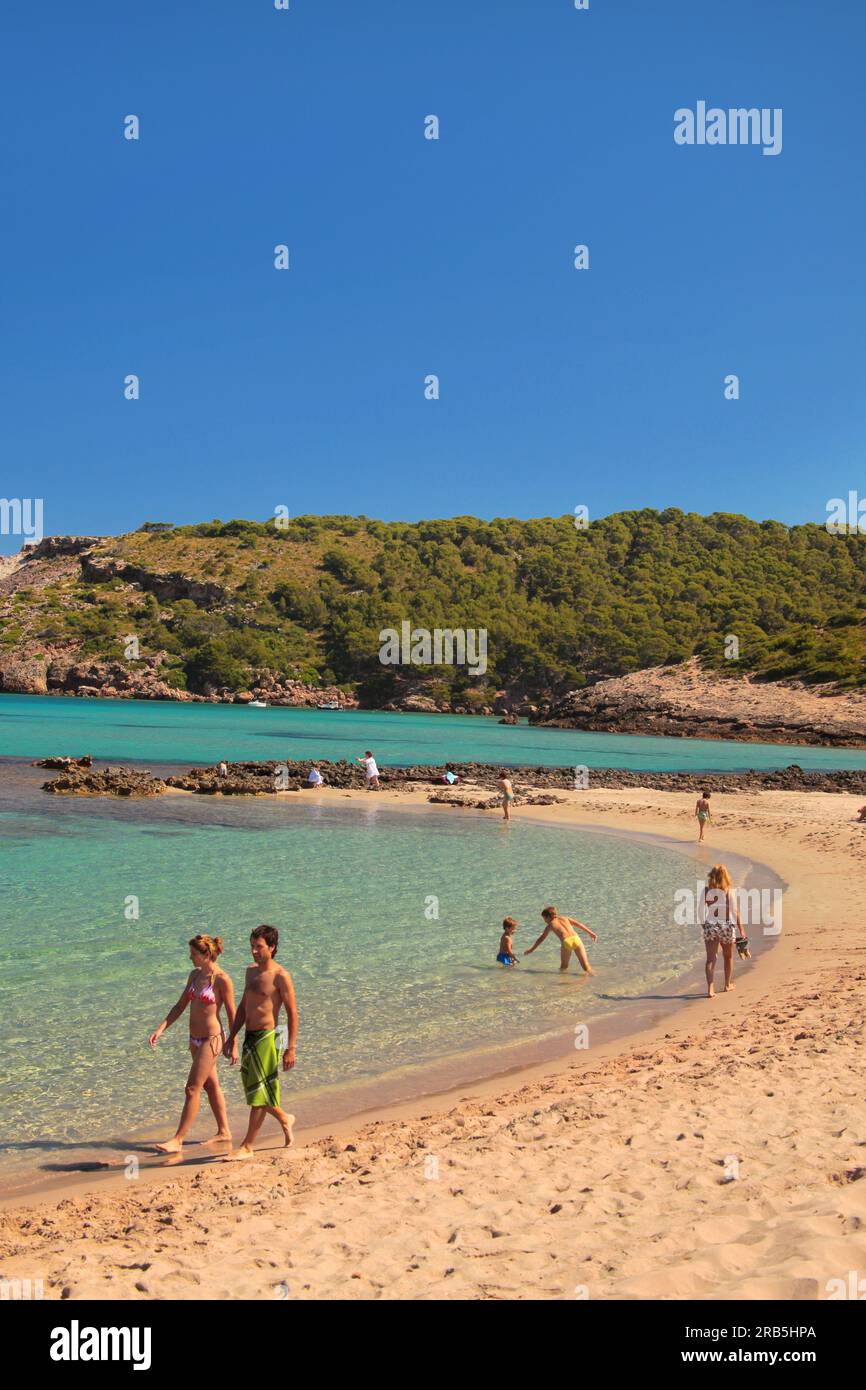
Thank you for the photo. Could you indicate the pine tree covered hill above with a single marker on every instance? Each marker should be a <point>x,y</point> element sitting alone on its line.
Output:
<point>562,607</point>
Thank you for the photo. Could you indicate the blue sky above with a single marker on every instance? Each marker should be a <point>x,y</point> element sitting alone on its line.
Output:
<point>305,388</point>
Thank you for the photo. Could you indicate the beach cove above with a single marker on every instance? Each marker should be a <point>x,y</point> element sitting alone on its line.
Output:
<point>616,1157</point>
<point>389,910</point>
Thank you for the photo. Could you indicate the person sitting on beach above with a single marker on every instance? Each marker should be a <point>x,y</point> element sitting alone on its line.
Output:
<point>267,986</point>
<point>569,941</point>
<point>861,814</point>
<point>314,778</point>
<point>207,990</point>
<point>506,795</point>
<point>722,925</point>
<point>371,771</point>
<point>506,945</point>
<point>702,811</point>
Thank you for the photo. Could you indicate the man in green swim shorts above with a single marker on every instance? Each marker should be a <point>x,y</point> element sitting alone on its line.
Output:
<point>267,987</point>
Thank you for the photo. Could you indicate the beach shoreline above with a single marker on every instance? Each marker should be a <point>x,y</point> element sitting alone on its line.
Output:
<point>442,1081</point>
<point>802,836</point>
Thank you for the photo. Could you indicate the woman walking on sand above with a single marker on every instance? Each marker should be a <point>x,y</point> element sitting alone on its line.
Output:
<point>207,990</point>
<point>703,813</point>
<point>722,925</point>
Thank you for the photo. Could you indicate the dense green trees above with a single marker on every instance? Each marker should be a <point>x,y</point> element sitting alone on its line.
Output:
<point>561,606</point>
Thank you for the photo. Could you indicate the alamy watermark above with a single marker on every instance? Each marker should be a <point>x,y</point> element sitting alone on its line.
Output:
<point>846,516</point>
<point>21,516</point>
<point>448,646</point>
<point>737,126</point>
<point>21,1290</point>
<point>758,907</point>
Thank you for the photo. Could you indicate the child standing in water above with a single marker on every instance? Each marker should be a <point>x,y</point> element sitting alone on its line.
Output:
<point>506,945</point>
<point>569,941</point>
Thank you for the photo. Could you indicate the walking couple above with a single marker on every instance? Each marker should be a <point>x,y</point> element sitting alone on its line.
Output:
<point>209,990</point>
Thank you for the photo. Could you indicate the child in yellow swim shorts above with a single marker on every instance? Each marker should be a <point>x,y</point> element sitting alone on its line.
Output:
<point>568,939</point>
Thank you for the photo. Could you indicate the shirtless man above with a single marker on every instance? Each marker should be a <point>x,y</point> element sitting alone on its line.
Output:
<point>267,986</point>
<point>563,927</point>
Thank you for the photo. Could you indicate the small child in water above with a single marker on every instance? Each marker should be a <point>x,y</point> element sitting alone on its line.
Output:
<point>506,945</point>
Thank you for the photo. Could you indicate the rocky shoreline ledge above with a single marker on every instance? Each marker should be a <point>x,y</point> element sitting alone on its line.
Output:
<point>686,701</point>
<point>79,778</point>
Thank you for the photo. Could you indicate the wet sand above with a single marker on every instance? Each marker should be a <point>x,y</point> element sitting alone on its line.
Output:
<point>718,1152</point>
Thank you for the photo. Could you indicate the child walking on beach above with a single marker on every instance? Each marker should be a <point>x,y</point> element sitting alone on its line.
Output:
<point>506,945</point>
<point>569,941</point>
<point>703,813</point>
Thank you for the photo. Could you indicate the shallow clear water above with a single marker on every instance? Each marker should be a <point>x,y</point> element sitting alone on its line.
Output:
<point>381,986</point>
<point>33,726</point>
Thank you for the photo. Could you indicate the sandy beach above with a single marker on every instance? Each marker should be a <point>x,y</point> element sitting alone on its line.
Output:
<point>718,1154</point>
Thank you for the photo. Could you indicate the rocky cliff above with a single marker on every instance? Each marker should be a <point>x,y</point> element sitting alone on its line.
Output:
<point>686,701</point>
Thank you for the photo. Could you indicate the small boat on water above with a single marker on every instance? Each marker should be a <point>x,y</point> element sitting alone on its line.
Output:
<point>330,704</point>
<point>257,704</point>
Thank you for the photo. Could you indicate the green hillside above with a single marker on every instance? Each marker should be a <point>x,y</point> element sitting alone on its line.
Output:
<point>561,606</point>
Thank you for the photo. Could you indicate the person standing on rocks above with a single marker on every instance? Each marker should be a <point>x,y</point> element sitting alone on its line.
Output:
<point>371,771</point>
<point>702,811</point>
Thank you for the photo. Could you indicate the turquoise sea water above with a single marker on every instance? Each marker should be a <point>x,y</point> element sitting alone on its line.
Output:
<point>383,987</point>
<point>40,726</point>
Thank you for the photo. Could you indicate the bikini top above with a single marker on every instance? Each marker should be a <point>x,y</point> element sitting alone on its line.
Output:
<point>205,995</point>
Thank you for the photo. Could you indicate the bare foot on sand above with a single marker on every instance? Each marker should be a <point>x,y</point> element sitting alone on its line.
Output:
<point>239,1154</point>
<point>711,992</point>
<point>171,1146</point>
<point>217,1139</point>
<point>287,1130</point>
<point>728,988</point>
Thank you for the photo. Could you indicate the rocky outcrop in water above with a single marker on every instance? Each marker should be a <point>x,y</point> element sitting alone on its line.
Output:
<point>688,702</point>
<point>65,764</point>
<point>111,781</point>
<point>490,803</point>
<point>268,778</point>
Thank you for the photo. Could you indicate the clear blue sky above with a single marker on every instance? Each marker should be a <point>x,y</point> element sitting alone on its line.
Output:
<point>409,257</point>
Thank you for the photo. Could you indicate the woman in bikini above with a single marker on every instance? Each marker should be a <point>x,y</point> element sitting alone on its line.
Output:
<point>207,990</point>
<point>722,926</point>
<point>703,813</point>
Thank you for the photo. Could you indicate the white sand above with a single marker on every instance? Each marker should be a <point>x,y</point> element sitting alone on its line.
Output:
<point>720,1154</point>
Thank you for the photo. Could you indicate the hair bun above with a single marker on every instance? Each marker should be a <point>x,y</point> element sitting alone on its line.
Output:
<point>218,945</point>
